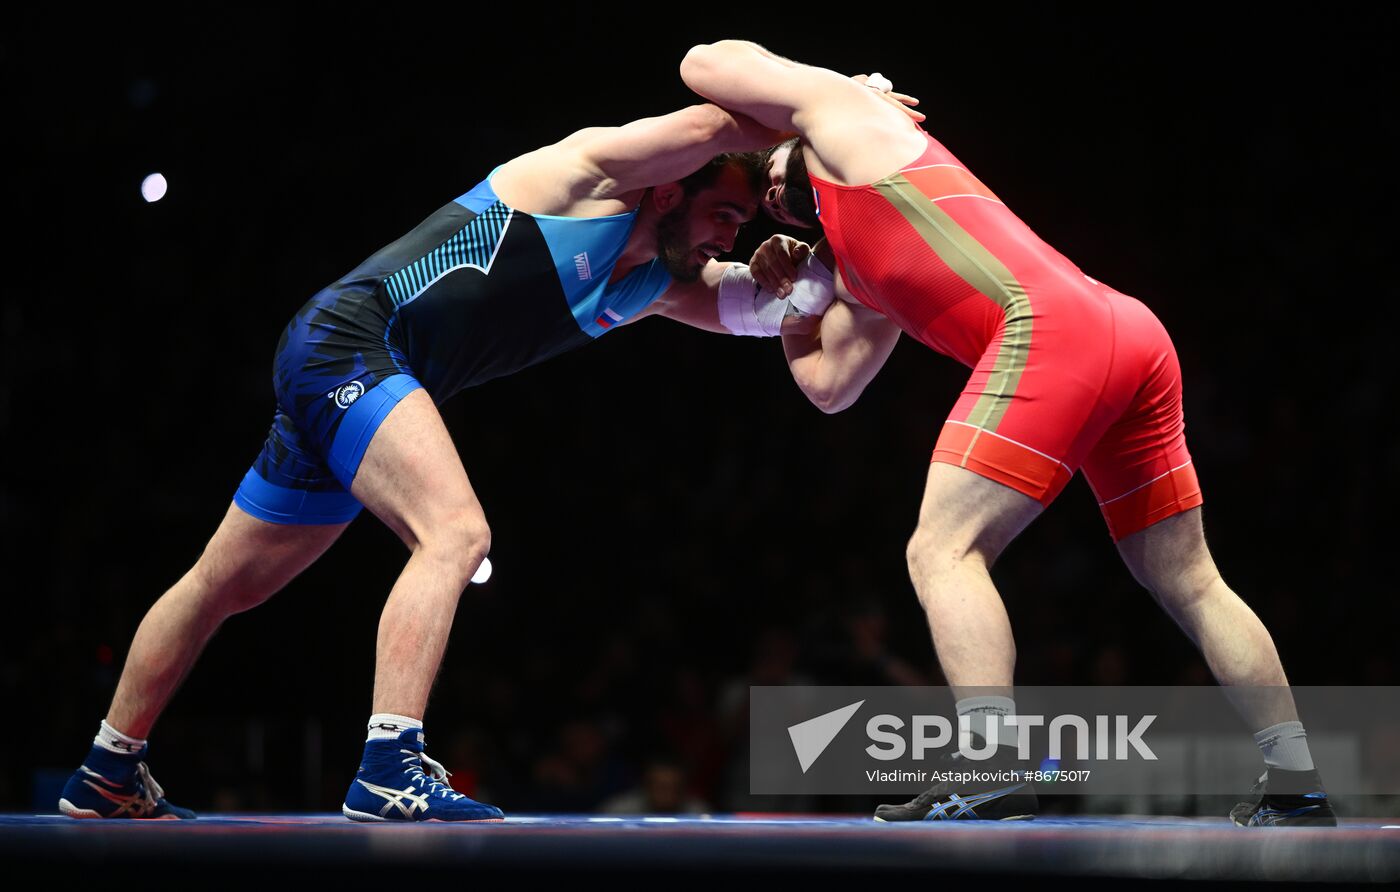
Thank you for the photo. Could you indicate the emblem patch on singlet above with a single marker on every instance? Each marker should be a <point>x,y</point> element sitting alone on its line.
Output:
<point>581,263</point>
<point>346,394</point>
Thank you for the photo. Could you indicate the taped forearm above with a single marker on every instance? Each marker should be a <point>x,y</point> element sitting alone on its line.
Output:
<point>747,308</point>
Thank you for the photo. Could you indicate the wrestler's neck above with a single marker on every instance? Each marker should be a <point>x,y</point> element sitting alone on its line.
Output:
<point>641,241</point>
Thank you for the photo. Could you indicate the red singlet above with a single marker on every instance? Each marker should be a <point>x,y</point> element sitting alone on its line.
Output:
<point>1067,372</point>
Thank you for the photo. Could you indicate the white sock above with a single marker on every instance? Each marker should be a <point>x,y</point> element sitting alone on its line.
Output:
<point>984,712</point>
<point>1285,746</point>
<point>114,741</point>
<point>387,726</point>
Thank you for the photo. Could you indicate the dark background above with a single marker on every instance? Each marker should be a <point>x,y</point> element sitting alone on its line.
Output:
<point>672,521</point>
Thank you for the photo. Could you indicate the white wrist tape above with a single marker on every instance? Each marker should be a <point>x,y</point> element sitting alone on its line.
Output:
<point>745,308</point>
<point>877,81</point>
<point>814,288</point>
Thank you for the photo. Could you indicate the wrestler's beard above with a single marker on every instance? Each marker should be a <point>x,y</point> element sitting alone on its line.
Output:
<point>673,246</point>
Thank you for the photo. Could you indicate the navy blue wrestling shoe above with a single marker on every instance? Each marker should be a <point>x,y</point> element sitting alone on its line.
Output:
<point>1287,799</point>
<point>391,786</point>
<point>117,785</point>
<point>991,797</point>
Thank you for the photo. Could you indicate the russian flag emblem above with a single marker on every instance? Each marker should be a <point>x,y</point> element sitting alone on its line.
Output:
<point>608,319</point>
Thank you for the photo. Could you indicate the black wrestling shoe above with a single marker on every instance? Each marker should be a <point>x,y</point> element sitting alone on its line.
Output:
<point>970,799</point>
<point>1288,799</point>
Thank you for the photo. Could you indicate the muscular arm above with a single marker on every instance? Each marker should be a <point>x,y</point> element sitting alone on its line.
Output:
<point>833,364</point>
<point>665,149</point>
<point>746,78</point>
<point>834,356</point>
<point>850,128</point>
<point>602,170</point>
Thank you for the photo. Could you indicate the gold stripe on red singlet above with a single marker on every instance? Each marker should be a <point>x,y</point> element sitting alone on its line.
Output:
<point>981,269</point>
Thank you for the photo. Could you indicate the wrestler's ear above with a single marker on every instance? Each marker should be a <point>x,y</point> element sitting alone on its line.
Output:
<point>667,196</point>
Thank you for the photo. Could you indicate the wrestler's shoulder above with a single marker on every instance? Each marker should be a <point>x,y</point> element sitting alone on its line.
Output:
<point>558,181</point>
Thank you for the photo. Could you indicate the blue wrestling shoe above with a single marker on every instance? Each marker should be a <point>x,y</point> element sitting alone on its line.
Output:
<point>391,786</point>
<point>1288,799</point>
<point>117,785</point>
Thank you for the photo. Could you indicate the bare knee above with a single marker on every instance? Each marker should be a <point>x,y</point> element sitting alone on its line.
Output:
<point>934,558</point>
<point>1184,590</point>
<point>1171,560</point>
<point>228,591</point>
<point>458,542</point>
<point>1179,579</point>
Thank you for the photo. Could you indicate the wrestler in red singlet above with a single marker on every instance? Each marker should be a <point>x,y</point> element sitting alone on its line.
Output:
<point>1067,372</point>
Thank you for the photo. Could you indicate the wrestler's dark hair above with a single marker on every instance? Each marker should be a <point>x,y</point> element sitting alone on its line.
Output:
<point>754,166</point>
<point>798,199</point>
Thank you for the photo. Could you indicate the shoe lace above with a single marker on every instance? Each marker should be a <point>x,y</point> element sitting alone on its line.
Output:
<point>435,780</point>
<point>152,792</point>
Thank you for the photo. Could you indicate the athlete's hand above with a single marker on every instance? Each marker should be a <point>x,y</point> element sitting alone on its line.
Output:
<point>902,101</point>
<point>774,264</point>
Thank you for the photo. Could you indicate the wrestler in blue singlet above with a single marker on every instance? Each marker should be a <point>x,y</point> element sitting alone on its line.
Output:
<point>476,291</point>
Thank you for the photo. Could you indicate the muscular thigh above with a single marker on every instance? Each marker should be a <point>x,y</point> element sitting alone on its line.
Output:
<point>411,476</point>
<point>965,513</point>
<point>250,555</point>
